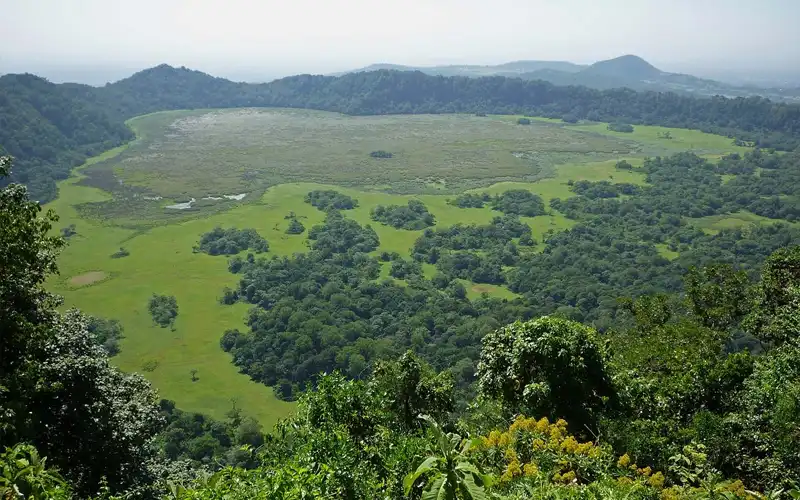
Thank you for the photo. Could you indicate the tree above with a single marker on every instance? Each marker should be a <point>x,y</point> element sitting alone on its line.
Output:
<point>447,474</point>
<point>295,227</point>
<point>775,318</point>
<point>163,309</point>
<point>548,366</point>
<point>57,388</point>
<point>718,295</point>
<point>411,388</point>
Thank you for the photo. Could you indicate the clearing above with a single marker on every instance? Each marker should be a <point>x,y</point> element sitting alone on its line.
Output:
<point>87,278</point>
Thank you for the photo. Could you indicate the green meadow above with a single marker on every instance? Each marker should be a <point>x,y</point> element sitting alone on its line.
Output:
<point>119,199</point>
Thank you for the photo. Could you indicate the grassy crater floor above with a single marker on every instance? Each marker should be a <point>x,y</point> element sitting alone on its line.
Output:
<point>265,153</point>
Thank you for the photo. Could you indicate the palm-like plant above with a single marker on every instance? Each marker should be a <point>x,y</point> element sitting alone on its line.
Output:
<point>24,474</point>
<point>447,474</point>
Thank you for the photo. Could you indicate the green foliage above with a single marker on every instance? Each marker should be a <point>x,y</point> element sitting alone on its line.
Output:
<point>523,121</point>
<point>231,241</point>
<point>411,388</point>
<point>470,200</point>
<point>476,253</point>
<point>620,127</point>
<point>776,316</point>
<point>207,442</point>
<point>718,295</point>
<point>107,333</point>
<point>163,309</point>
<point>623,165</point>
<point>448,474</point>
<point>69,231</point>
<point>24,474</point>
<point>548,366</point>
<point>381,154</point>
<point>121,253</point>
<point>295,227</point>
<point>412,217</point>
<point>327,199</point>
<point>519,202</point>
<point>603,189</point>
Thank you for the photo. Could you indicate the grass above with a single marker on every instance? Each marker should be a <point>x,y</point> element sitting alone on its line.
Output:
<point>196,154</point>
<point>260,153</point>
<point>713,224</point>
<point>650,136</point>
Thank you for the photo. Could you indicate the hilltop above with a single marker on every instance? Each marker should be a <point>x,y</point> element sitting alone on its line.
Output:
<point>627,71</point>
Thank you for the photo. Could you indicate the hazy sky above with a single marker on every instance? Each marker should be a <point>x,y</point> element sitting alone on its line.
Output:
<point>279,37</point>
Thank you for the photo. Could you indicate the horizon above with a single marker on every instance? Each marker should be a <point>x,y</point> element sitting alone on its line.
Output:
<point>90,40</point>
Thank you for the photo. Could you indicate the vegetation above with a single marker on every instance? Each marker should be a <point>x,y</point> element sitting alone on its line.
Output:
<point>59,392</point>
<point>295,227</point>
<point>231,241</point>
<point>52,128</point>
<point>470,200</point>
<point>381,154</point>
<point>414,216</point>
<point>682,410</point>
<point>327,199</point>
<point>106,332</point>
<point>523,121</point>
<point>620,127</point>
<point>121,253</point>
<point>163,309</point>
<point>519,202</point>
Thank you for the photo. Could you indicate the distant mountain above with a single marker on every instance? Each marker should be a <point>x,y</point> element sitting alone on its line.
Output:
<point>628,71</point>
<point>510,69</point>
<point>626,67</point>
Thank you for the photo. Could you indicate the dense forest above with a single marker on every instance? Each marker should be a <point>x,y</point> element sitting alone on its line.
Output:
<point>666,404</point>
<point>326,310</point>
<point>51,128</point>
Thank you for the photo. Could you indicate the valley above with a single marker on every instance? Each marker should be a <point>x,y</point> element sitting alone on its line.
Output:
<point>120,200</point>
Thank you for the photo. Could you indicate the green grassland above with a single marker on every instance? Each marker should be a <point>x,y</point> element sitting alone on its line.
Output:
<point>713,224</point>
<point>264,154</point>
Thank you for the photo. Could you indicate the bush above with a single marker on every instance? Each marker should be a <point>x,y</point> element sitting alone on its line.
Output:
<point>381,154</point>
<point>295,227</point>
<point>620,127</point>
<point>524,121</point>
<point>122,252</point>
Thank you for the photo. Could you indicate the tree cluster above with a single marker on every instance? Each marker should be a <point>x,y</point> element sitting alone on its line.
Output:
<point>163,309</point>
<point>412,217</point>
<point>470,200</point>
<point>518,202</point>
<point>327,199</point>
<point>231,241</point>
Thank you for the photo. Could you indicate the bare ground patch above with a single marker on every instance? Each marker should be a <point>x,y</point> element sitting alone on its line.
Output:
<point>88,278</point>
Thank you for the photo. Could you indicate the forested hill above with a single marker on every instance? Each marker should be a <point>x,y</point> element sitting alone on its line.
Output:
<point>50,128</point>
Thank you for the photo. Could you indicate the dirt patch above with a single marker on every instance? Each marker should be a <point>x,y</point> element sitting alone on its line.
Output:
<point>87,278</point>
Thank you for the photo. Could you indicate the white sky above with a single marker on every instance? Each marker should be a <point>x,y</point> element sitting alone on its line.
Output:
<point>279,37</point>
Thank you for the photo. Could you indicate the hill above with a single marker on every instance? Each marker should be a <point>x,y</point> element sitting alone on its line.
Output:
<point>509,69</point>
<point>633,72</point>
<point>627,71</point>
<point>50,128</point>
